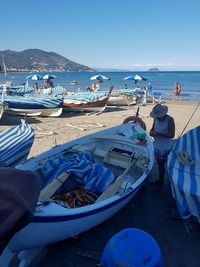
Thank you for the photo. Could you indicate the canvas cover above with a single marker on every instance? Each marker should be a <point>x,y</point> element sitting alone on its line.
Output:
<point>19,191</point>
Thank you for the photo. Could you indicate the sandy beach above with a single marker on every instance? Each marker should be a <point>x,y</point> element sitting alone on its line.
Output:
<point>51,131</point>
<point>148,211</point>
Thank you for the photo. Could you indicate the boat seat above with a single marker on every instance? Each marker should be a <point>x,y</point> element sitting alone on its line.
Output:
<point>157,97</point>
<point>119,157</point>
<point>82,148</point>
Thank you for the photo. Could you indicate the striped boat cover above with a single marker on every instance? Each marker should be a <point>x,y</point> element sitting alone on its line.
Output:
<point>93,176</point>
<point>21,90</point>
<point>85,97</point>
<point>33,101</point>
<point>15,144</point>
<point>58,90</point>
<point>186,179</point>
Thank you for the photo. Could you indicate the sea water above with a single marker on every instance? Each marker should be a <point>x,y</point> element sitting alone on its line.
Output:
<point>162,81</point>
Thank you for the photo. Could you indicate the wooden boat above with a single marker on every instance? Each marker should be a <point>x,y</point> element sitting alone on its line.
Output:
<point>184,170</point>
<point>87,101</point>
<point>111,166</point>
<point>34,105</point>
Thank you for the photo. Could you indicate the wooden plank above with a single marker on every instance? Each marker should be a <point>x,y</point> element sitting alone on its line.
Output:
<point>114,187</point>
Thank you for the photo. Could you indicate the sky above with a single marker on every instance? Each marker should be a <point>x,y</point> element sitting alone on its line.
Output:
<point>113,34</point>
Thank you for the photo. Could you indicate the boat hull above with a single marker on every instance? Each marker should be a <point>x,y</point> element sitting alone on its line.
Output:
<point>90,106</point>
<point>66,226</point>
<point>52,222</point>
<point>122,100</point>
<point>34,105</point>
<point>50,112</point>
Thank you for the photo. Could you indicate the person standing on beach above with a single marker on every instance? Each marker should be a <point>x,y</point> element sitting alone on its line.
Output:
<point>178,90</point>
<point>144,101</point>
<point>175,89</point>
<point>163,131</point>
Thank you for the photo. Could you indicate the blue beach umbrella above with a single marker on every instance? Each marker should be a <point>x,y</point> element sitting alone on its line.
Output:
<point>48,77</point>
<point>99,77</point>
<point>135,78</point>
<point>34,77</point>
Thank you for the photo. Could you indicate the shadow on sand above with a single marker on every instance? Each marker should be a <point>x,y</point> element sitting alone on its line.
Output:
<point>149,211</point>
<point>11,120</point>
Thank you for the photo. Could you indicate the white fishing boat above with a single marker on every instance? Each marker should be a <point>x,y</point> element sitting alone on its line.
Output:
<point>34,105</point>
<point>110,166</point>
<point>2,105</point>
<point>124,97</point>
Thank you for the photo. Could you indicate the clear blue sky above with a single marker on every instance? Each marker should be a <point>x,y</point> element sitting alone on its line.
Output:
<point>121,34</point>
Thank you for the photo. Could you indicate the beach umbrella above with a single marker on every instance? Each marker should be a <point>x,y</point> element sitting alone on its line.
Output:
<point>34,77</point>
<point>48,76</point>
<point>135,78</point>
<point>99,77</point>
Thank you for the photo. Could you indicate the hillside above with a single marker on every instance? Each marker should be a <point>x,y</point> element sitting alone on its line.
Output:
<point>38,60</point>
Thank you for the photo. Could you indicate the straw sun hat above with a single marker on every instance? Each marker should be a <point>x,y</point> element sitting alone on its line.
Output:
<point>159,111</point>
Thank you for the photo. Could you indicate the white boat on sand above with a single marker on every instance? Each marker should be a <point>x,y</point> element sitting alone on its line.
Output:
<point>34,105</point>
<point>109,167</point>
<point>123,97</point>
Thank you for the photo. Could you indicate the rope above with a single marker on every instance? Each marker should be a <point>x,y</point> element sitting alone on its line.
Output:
<point>189,119</point>
<point>185,158</point>
<point>77,198</point>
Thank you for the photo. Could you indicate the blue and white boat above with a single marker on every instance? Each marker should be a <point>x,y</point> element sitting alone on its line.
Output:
<point>87,101</point>
<point>184,170</point>
<point>15,144</point>
<point>111,164</point>
<point>20,90</point>
<point>34,105</point>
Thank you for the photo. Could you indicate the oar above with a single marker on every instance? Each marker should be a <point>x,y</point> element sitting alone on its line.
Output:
<point>136,115</point>
<point>114,187</point>
<point>50,189</point>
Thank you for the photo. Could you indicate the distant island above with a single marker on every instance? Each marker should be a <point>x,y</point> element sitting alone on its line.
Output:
<point>154,70</point>
<point>36,60</point>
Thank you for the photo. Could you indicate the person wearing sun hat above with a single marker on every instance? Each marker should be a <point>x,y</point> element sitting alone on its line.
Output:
<point>163,131</point>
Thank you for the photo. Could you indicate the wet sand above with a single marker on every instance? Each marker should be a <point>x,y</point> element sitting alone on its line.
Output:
<point>149,210</point>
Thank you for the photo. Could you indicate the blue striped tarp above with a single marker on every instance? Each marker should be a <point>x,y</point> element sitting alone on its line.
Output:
<point>186,179</point>
<point>93,176</point>
<point>21,90</point>
<point>84,97</point>
<point>15,144</point>
<point>58,90</point>
<point>33,102</point>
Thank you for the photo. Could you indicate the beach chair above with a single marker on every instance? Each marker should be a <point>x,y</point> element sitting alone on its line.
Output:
<point>156,97</point>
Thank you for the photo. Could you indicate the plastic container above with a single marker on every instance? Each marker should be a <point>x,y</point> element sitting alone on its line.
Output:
<point>132,248</point>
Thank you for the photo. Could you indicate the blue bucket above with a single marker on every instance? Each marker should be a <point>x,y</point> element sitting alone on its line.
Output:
<point>132,247</point>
